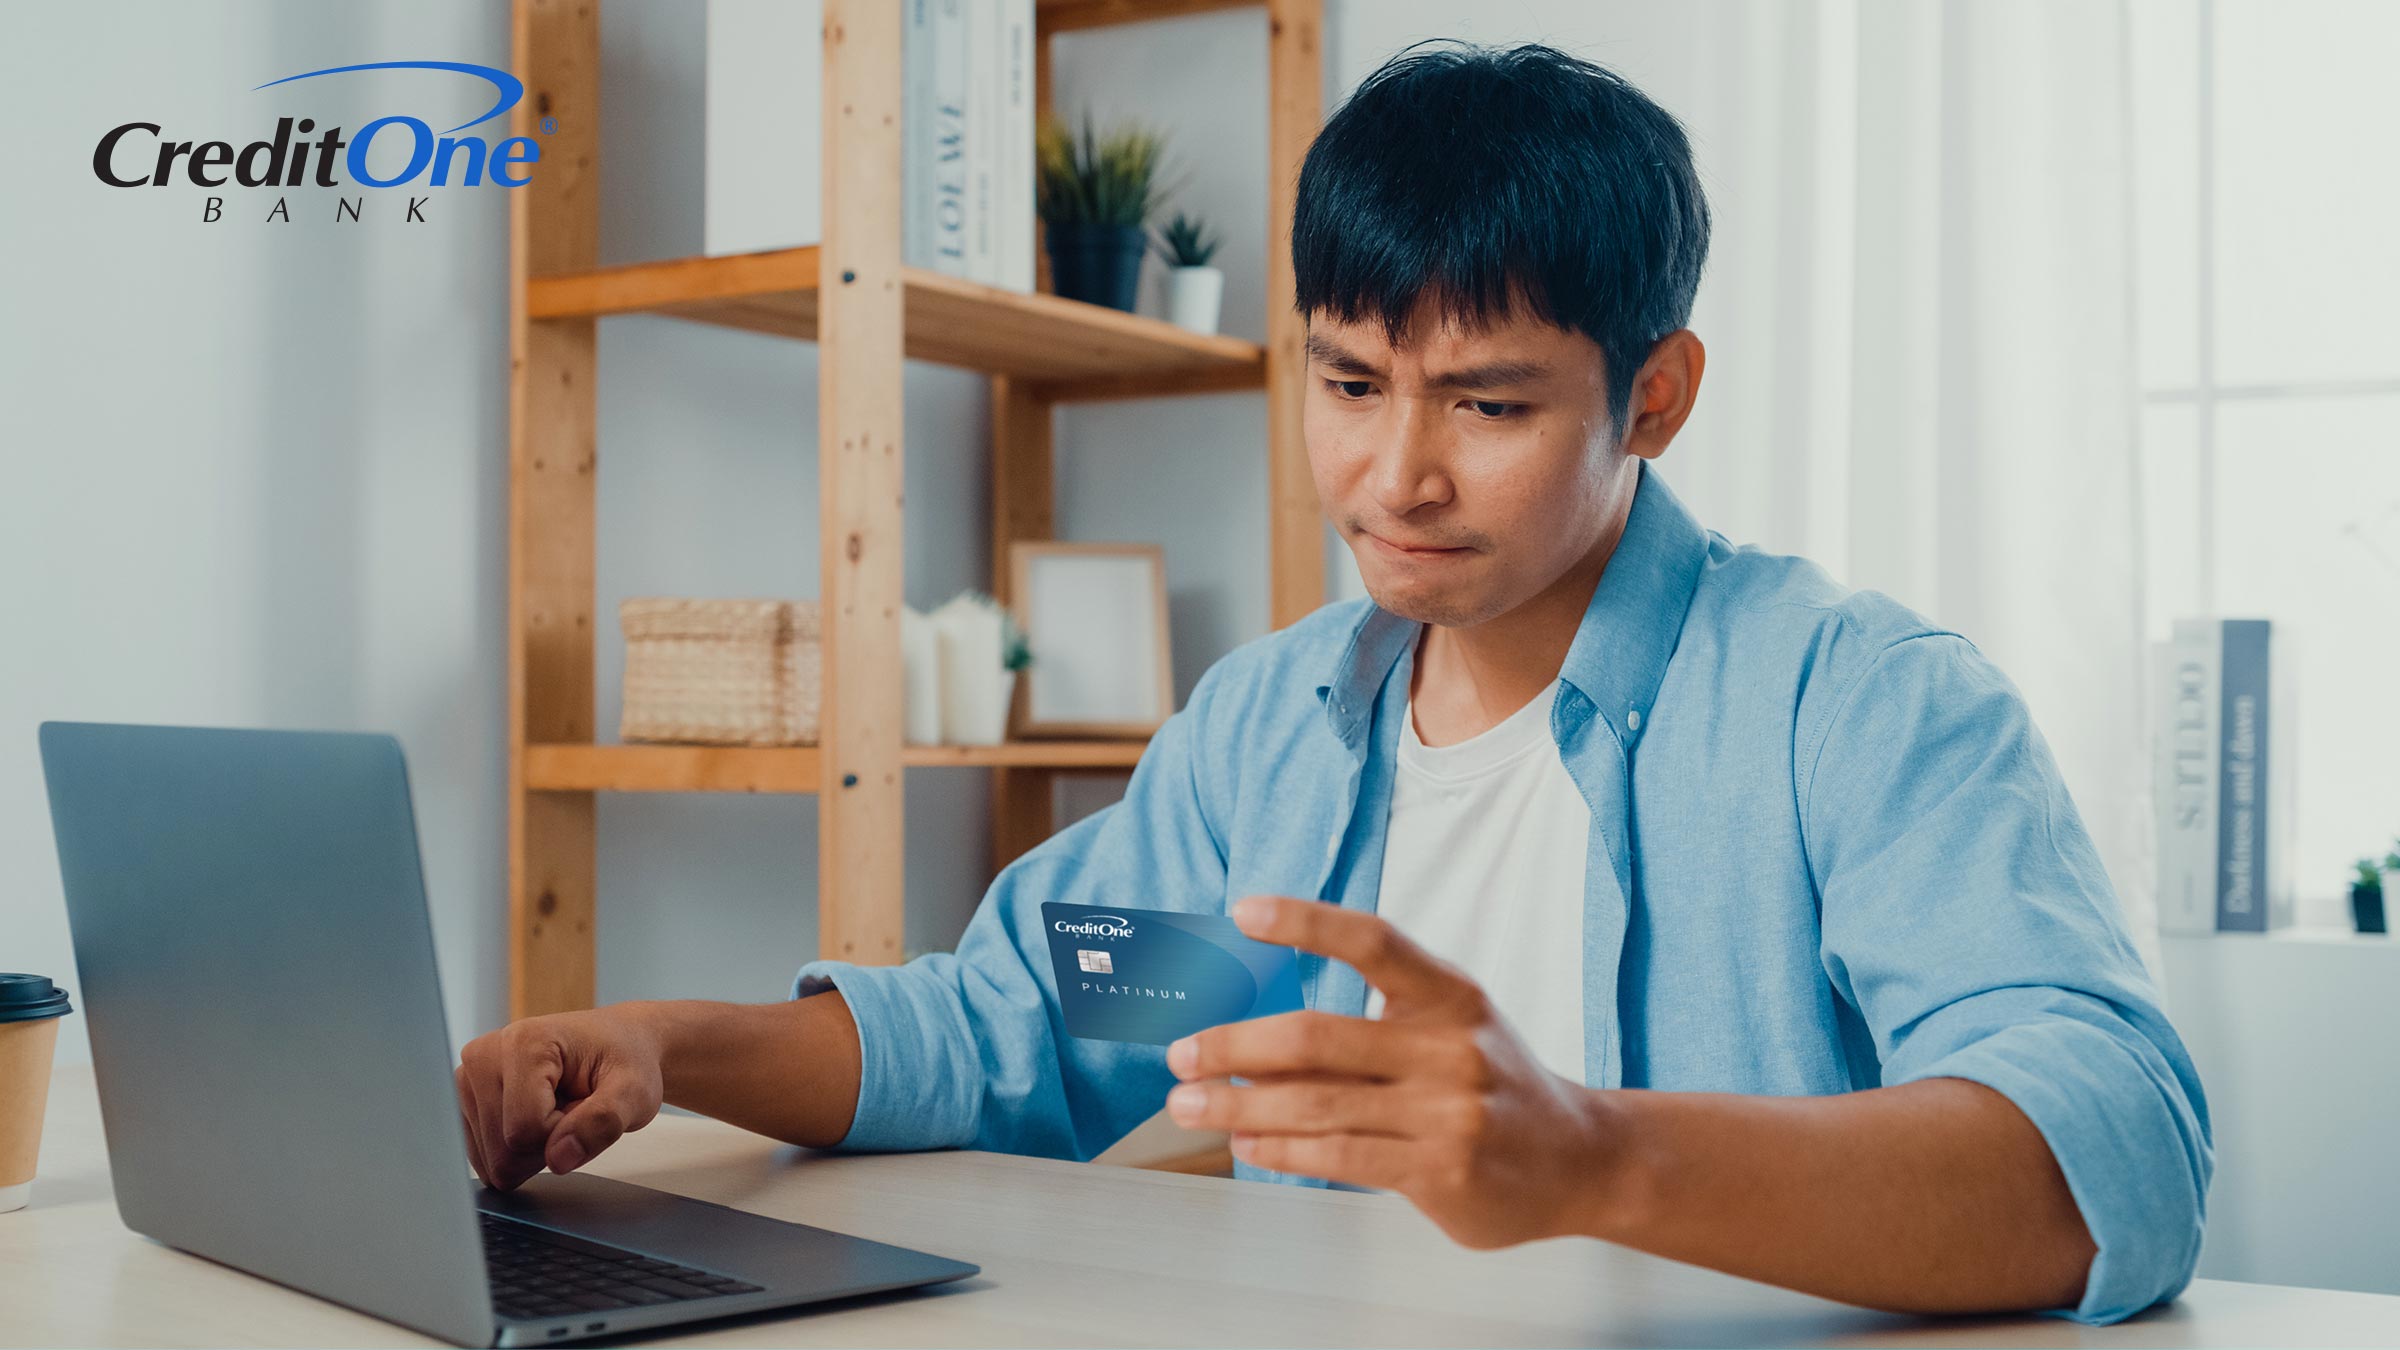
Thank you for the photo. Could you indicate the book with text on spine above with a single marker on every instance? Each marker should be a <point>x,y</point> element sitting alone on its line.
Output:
<point>2221,779</point>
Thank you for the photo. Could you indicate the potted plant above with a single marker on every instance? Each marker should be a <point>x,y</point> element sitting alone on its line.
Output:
<point>2366,897</point>
<point>1094,194</point>
<point>2372,889</point>
<point>1195,290</point>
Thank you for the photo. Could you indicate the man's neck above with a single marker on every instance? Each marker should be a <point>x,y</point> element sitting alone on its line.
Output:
<point>1467,680</point>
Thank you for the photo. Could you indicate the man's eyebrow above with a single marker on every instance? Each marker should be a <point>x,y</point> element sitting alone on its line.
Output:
<point>1491,374</point>
<point>1327,352</point>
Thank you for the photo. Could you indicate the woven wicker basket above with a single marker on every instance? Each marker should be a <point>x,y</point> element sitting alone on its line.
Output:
<point>721,672</point>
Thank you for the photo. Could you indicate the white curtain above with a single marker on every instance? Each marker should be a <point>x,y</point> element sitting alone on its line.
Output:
<point>1920,313</point>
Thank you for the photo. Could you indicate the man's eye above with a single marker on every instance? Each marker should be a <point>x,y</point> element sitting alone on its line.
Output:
<point>1350,388</point>
<point>1494,411</point>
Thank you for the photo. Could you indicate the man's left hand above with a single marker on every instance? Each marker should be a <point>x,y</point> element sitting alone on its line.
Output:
<point>1437,1099</point>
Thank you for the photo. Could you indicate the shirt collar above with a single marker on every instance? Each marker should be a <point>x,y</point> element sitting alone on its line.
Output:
<point>1620,652</point>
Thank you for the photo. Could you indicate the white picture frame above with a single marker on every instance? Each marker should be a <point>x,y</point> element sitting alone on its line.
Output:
<point>1095,619</point>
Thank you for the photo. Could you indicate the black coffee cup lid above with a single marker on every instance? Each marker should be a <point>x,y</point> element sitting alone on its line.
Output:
<point>26,997</point>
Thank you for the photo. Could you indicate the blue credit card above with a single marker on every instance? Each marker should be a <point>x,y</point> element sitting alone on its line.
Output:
<point>1155,975</point>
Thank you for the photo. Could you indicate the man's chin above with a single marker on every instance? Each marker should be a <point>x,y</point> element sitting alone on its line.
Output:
<point>1442,608</point>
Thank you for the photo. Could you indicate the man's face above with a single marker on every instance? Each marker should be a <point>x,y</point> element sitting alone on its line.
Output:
<point>1467,469</point>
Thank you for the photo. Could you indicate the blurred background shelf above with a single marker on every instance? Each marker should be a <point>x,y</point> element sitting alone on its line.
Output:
<point>1067,349</point>
<point>868,314</point>
<point>781,768</point>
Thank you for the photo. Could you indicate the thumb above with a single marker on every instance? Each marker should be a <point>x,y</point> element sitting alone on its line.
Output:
<point>620,1101</point>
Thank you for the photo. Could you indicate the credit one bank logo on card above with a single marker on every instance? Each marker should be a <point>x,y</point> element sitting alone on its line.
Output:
<point>393,151</point>
<point>1105,926</point>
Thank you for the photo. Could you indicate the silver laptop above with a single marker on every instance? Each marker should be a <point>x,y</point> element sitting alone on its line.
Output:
<point>275,1075</point>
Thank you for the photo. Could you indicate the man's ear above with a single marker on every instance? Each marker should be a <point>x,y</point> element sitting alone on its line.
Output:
<point>1663,393</point>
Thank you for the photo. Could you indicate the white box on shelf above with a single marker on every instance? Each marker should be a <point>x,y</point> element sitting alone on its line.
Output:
<point>763,154</point>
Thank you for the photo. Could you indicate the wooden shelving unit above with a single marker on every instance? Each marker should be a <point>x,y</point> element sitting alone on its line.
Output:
<point>869,314</point>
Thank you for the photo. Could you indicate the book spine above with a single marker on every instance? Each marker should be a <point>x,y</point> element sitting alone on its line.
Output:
<point>949,146</point>
<point>984,57</point>
<point>2241,781</point>
<point>1015,198</point>
<point>2185,783</point>
<point>916,135</point>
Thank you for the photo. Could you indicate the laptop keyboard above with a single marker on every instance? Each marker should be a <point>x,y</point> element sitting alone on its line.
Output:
<point>538,1273</point>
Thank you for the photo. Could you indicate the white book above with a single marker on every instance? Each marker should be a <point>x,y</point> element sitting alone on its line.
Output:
<point>916,134</point>
<point>984,57</point>
<point>948,216</point>
<point>1013,202</point>
<point>2185,781</point>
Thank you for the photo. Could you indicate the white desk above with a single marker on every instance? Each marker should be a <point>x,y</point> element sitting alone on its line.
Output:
<point>1076,1255</point>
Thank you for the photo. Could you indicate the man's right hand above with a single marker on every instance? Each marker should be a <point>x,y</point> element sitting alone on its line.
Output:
<point>555,1090</point>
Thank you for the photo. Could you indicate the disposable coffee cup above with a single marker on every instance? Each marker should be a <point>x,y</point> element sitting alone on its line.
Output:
<point>30,1007</point>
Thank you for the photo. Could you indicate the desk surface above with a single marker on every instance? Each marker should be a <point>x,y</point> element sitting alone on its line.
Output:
<point>1076,1254</point>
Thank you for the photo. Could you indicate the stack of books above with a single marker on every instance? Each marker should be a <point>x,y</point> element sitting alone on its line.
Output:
<point>967,146</point>
<point>2222,779</point>
<point>967,165</point>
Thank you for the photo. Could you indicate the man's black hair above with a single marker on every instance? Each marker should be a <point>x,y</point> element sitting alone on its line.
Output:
<point>1490,177</point>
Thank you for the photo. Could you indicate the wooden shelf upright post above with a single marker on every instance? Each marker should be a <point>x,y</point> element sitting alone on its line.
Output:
<point>859,359</point>
<point>1295,109</point>
<point>553,226</point>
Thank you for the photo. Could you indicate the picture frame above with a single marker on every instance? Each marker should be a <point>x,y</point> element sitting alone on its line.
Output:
<point>1095,617</point>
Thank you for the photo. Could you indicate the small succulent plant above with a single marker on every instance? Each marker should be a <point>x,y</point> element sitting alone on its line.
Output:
<point>1186,242</point>
<point>2371,870</point>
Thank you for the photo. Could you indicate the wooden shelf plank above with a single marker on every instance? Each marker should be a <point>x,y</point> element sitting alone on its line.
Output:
<point>1069,348</point>
<point>1060,16</point>
<point>672,768</point>
<point>1027,755</point>
<point>780,768</point>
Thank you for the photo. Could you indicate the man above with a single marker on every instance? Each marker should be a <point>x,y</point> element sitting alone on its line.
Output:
<point>1650,888</point>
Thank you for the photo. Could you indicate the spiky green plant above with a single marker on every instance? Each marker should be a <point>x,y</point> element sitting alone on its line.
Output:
<point>1094,179</point>
<point>1186,242</point>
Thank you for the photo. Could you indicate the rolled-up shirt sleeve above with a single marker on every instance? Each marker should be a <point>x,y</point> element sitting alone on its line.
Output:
<point>967,1048</point>
<point>1967,917</point>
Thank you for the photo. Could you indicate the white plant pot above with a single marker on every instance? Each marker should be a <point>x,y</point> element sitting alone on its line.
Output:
<point>981,708</point>
<point>1195,297</point>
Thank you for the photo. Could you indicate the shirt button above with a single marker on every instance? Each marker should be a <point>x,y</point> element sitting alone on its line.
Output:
<point>1633,718</point>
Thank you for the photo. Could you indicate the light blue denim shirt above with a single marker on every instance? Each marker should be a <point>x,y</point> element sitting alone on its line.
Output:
<point>1829,851</point>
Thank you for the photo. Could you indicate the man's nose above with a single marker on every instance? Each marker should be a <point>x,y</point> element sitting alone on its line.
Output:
<point>1411,460</point>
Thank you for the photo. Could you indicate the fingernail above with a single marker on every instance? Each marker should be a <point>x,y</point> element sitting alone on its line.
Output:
<point>1181,1055</point>
<point>566,1156</point>
<point>1249,911</point>
<point>1187,1101</point>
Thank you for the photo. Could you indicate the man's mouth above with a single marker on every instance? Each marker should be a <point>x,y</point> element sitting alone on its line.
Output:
<point>1403,549</point>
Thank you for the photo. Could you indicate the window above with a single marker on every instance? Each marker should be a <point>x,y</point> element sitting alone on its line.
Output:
<point>2267,218</point>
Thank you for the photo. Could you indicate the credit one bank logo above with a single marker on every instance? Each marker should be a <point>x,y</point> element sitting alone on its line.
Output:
<point>145,154</point>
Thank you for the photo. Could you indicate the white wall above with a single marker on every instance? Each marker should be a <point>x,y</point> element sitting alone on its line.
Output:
<point>250,473</point>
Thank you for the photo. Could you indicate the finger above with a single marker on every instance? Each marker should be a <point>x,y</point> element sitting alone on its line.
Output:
<point>508,1168</point>
<point>1387,958</point>
<point>1359,1159</point>
<point>529,1094</point>
<point>466,1120</point>
<point>1313,1042</point>
<point>617,1104</point>
<point>1312,1106</point>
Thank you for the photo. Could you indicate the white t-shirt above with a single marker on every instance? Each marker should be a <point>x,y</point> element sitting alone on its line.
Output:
<point>1483,866</point>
